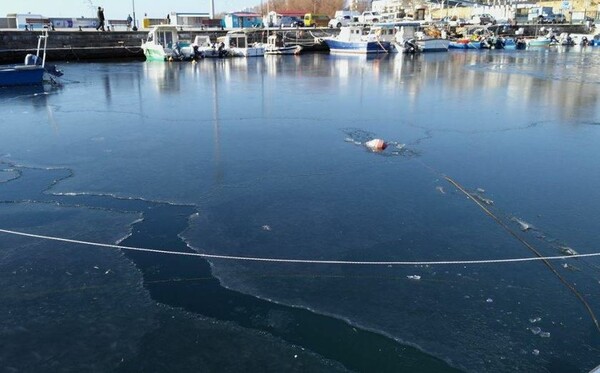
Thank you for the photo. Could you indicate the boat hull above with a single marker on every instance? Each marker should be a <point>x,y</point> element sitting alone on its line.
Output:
<point>462,44</point>
<point>422,46</point>
<point>357,47</point>
<point>21,75</point>
<point>247,52</point>
<point>433,45</point>
<point>539,43</point>
<point>154,53</point>
<point>297,49</point>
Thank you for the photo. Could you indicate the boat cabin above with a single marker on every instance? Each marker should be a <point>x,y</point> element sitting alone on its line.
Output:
<point>353,33</point>
<point>164,35</point>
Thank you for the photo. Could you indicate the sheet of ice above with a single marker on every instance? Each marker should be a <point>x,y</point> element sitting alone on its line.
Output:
<point>236,138</point>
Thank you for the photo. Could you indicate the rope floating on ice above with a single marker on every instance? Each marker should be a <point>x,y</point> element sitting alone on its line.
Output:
<point>539,256</point>
<point>299,261</point>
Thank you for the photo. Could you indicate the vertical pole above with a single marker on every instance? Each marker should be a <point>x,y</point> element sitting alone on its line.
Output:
<point>135,28</point>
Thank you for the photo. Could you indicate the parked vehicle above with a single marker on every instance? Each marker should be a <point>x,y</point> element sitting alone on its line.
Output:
<point>299,22</point>
<point>453,21</point>
<point>369,17</point>
<point>343,13</point>
<point>552,18</point>
<point>538,13</point>
<point>482,19</point>
<point>339,22</point>
<point>291,22</point>
<point>316,20</point>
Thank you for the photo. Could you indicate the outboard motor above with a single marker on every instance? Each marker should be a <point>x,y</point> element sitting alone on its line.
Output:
<point>410,46</point>
<point>221,49</point>
<point>177,52</point>
<point>53,70</point>
<point>570,40</point>
<point>32,59</point>
<point>499,44</point>
<point>197,53</point>
<point>585,42</point>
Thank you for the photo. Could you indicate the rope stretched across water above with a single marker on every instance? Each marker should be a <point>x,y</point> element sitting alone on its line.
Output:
<point>298,261</point>
<point>539,256</point>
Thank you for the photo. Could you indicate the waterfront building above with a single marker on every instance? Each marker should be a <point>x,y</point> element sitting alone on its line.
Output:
<point>242,19</point>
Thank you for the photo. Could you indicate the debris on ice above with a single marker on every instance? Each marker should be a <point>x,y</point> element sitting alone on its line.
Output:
<point>523,224</point>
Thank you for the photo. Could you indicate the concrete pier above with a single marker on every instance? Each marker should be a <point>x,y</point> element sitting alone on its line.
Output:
<point>82,45</point>
<point>69,45</point>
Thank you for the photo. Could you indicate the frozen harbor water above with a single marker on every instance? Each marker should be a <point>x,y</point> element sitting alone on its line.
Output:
<point>252,158</point>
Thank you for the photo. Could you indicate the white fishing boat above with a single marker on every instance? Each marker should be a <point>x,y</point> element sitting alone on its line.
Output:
<point>412,37</point>
<point>361,39</point>
<point>208,49</point>
<point>275,45</point>
<point>163,44</point>
<point>237,45</point>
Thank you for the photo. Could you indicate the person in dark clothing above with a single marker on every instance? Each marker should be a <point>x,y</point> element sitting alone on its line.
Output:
<point>100,19</point>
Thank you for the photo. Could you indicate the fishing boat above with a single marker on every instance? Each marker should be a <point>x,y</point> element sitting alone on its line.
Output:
<point>411,37</point>
<point>238,45</point>
<point>465,44</point>
<point>361,39</point>
<point>514,44</point>
<point>476,38</point>
<point>540,41</point>
<point>543,41</point>
<point>163,44</point>
<point>33,70</point>
<point>275,45</point>
<point>207,49</point>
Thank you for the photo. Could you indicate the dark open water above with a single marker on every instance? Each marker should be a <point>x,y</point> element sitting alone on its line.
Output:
<point>259,157</point>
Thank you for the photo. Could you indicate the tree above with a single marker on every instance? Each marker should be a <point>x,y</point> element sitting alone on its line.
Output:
<point>315,6</point>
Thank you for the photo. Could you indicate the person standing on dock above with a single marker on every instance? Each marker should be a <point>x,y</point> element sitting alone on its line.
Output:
<point>129,20</point>
<point>100,19</point>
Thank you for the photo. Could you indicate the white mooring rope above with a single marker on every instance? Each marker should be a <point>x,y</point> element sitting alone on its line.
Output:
<point>302,261</point>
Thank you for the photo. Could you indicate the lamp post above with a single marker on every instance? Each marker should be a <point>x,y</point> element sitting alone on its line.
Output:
<point>134,21</point>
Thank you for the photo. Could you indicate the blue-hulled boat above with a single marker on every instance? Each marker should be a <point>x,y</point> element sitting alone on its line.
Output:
<point>514,44</point>
<point>11,75</point>
<point>465,44</point>
<point>360,39</point>
<point>32,71</point>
